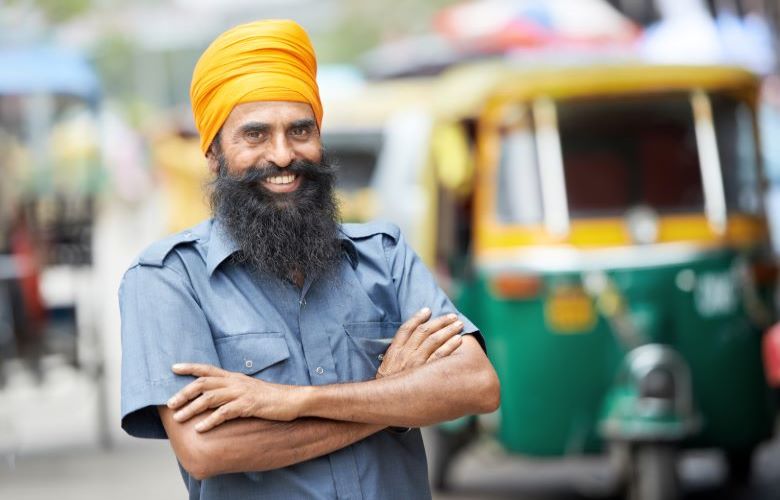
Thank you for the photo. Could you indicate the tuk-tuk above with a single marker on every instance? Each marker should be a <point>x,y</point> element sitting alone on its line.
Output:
<point>603,226</point>
<point>376,133</point>
<point>51,176</point>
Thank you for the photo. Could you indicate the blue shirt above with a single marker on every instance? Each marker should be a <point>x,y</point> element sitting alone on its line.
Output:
<point>184,300</point>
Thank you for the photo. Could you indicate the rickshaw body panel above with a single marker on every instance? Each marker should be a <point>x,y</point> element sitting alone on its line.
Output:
<point>561,385</point>
<point>557,385</point>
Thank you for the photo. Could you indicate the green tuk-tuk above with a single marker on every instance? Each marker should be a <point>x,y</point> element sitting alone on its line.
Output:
<point>603,225</point>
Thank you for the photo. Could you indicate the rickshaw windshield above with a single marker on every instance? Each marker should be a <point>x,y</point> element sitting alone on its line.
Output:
<point>620,153</point>
<point>626,152</point>
<point>736,136</point>
<point>356,154</point>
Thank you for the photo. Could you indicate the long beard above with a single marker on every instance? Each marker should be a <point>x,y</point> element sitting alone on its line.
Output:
<point>285,234</point>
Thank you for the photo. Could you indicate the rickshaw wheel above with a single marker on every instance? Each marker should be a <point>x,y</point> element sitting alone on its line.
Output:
<point>444,448</point>
<point>740,464</point>
<point>653,473</point>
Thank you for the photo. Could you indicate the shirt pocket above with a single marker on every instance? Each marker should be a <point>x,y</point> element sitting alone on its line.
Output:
<point>368,342</point>
<point>261,355</point>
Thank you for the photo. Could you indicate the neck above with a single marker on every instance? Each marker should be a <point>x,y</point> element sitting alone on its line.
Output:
<point>298,278</point>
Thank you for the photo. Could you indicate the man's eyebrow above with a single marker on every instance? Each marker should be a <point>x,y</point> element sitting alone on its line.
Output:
<point>253,127</point>
<point>304,123</point>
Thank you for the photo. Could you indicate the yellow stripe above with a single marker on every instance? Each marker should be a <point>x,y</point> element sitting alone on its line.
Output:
<point>741,231</point>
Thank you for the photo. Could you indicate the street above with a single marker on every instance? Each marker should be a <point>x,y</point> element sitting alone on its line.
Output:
<point>147,470</point>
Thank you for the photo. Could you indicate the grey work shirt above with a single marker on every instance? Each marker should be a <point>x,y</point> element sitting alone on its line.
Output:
<point>185,300</point>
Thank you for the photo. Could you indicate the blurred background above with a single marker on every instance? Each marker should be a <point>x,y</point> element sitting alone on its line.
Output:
<point>594,182</point>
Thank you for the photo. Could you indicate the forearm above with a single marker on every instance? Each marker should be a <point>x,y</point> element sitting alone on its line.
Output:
<point>463,383</point>
<point>251,444</point>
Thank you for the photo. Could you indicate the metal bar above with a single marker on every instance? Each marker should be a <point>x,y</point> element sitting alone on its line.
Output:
<point>709,160</point>
<point>548,146</point>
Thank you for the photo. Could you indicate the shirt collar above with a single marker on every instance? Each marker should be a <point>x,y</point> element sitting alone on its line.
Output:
<point>222,246</point>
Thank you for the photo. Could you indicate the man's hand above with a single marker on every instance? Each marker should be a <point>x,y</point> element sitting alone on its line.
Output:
<point>234,395</point>
<point>419,341</point>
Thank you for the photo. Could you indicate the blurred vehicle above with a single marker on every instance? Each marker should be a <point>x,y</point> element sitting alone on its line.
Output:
<point>603,225</point>
<point>377,136</point>
<point>50,179</point>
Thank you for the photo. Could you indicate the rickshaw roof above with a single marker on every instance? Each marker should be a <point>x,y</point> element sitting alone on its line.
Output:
<point>47,70</point>
<point>464,90</point>
<point>370,105</point>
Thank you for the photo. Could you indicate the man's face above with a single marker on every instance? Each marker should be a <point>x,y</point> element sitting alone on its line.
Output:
<point>273,192</point>
<point>269,133</point>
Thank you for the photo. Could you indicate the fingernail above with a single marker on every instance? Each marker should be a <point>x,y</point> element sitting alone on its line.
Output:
<point>177,416</point>
<point>172,402</point>
<point>452,316</point>
<point>425,310</point>
<point>178,366</point>
<point>458,324</point>
<point>200,427</point>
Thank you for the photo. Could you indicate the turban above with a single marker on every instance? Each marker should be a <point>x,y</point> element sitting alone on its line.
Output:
<point>270,60</point>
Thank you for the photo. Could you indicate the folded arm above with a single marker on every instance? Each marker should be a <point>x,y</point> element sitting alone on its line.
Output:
<point>253,444</point>
<point>443,388</point>
<point>461,384</point>
<point>249,443</point>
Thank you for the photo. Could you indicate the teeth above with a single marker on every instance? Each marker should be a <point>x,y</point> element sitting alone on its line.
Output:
<point>281,179</point>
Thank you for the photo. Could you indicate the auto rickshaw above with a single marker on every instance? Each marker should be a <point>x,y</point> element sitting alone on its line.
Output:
<point>376,133</point>
<point>603,226</point>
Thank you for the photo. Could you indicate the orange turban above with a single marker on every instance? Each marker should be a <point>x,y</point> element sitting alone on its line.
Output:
<point>269,60</point>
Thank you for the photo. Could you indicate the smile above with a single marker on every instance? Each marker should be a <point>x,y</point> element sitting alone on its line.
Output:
<point>282,179</point>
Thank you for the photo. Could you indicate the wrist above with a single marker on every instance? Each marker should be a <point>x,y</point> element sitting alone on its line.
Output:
<point>303,400</point>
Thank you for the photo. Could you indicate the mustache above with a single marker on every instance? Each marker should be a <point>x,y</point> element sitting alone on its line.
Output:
<point>259,173</point>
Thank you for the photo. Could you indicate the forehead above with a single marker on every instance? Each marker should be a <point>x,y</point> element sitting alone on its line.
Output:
<point>269,112</point>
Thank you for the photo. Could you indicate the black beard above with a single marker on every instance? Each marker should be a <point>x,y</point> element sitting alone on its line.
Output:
<point>285,234</point>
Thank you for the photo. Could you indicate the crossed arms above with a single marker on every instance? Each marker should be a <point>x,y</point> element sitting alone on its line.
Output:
<point>429,374</point>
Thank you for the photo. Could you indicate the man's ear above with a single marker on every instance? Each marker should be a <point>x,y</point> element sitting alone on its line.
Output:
<point>212,154</point>
<point>211,159</point>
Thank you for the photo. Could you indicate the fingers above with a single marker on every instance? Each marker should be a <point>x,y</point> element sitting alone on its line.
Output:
<point>433,326</point>
<point>447,348</point>
<point>403,333</point>
<point>438,338</point>
<point>218,416</point>
<point>198,370</point>
<point>207,400</point>
<point>193,390</point>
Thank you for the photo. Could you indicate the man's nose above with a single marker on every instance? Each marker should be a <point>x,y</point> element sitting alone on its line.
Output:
<point>280,152</point>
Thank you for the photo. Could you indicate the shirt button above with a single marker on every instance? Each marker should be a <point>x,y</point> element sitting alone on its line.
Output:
<point>248,363</point>
<point>319,370</point>
<point>380,357</point>
<point>302,302</point>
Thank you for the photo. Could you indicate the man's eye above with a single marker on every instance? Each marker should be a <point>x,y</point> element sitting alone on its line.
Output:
<point>300,131</point>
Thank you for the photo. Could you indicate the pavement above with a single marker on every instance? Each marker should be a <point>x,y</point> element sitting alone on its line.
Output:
<point>56,466</point>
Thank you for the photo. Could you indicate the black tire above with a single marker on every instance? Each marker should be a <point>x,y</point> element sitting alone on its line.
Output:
<point>740,464</point>
<point>443,448</point>
<point>653,473</point>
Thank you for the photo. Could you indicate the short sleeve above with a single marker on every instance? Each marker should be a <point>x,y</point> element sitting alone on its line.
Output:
<point>162,324</point>
<point>417,288</point>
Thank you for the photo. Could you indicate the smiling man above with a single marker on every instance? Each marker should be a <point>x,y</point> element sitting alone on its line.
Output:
<point>283,354</point>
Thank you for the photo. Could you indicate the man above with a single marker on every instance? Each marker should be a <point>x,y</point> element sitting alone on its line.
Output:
<point>266,344</point>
